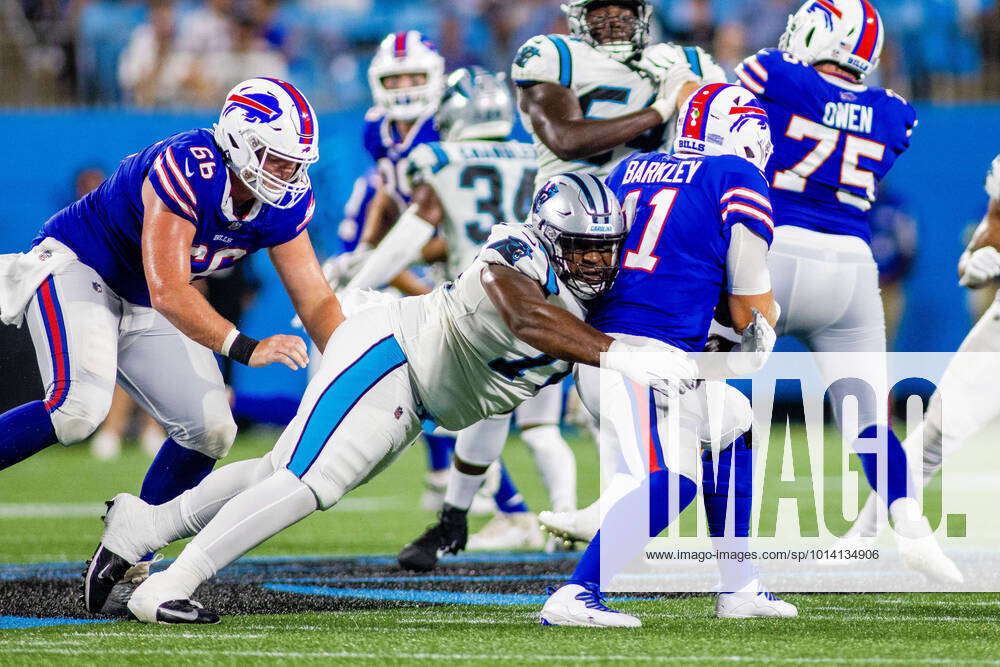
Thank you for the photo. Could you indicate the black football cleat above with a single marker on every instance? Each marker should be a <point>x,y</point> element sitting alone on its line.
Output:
<point>447,536</point>
<point>104,570</point>
<point>181,612</point>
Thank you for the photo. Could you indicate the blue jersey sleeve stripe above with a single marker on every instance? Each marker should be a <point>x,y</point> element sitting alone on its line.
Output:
<point>692,57</point>
<point>442,157</point>
<point>565,61</point>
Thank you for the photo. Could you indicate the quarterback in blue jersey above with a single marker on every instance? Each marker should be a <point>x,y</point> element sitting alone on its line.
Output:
<point>700,225</point>
<point>106,289</point>
<point>834,140</point>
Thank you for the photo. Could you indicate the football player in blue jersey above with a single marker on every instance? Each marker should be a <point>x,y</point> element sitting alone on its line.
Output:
<point>700,225</point>
<point>106,288</point>
<point>834,140</point>
<point>406,78</point>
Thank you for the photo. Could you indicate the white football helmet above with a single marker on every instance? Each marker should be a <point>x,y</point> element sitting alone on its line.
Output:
<point>575,214</point>
<point>846,32</point>
<point>476,105</point>
<point>723,119</point>
<point>263,120</point>
<point>576,17</point>
<point>406,53</point>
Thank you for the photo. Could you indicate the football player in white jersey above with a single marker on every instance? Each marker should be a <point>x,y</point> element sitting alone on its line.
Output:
<point>510,325</point>
<point>600,93</point>
<point>968,383</point>
<point>462,187</point>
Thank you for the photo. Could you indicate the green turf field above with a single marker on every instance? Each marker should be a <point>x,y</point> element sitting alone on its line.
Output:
<point>48,513</point>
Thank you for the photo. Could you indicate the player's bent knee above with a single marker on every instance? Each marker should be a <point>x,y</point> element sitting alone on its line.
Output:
<point>83,411</point>
<point>214,438</point>
<point>735,414</point>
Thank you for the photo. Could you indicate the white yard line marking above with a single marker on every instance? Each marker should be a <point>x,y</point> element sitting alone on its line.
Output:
<point>52,648</point>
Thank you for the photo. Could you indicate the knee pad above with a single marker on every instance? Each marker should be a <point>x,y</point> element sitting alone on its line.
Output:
<point>214,438</point>
<point>83,411</point>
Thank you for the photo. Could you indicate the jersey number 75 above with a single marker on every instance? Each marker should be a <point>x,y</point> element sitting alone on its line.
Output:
<point>827,140</point>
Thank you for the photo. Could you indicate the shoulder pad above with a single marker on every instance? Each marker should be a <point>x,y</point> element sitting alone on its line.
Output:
<point>516,247</point>
<point>543,59</point>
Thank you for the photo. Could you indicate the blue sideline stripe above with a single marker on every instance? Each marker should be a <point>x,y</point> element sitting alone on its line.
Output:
<point>429,578</point>
<point>565,64</point>
<point>22,622</point>
<point>340,397</point>
<point>439,597</point>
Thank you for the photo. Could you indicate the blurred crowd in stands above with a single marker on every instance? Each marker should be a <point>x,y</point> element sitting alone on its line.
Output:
<point>186,53</point>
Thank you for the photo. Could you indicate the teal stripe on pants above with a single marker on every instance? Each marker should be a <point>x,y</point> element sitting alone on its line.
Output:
<point>340,396</point>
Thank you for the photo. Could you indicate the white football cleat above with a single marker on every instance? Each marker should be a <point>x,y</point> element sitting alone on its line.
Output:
<point>128,528</point>
<point>155,601</point>
<point>576,526</point>
<point>924,555</point>
<point>918,548</point>
<point>574,605</point>
<point>750,604</point>
<point>517,530</point>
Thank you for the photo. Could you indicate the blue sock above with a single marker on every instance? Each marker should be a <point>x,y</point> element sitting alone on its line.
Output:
<point>273,410</point>
<point>897,472</point>
<point>507,497</point>
<point>439,449</point>
<point>630,537</point>
<point>24,431</point>
<point>736,461</point>
<point>174,470</point>
<point>716,493</point>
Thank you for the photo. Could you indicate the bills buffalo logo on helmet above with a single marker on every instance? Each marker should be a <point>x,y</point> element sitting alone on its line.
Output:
<point>828,10</point>
<point>256,107</point>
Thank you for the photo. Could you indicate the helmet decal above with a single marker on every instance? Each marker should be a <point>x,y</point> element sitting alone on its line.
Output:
<point>869,32</point>
<point>694,121</point>
<point>256,107</point>
<point>828,10</point>
<point>723,119</point>
<point>302,107</point>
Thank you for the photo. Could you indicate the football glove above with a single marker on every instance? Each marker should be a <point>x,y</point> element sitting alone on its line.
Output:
<point>982,266</point>
<point>667,371</point>
<point>339,270</point>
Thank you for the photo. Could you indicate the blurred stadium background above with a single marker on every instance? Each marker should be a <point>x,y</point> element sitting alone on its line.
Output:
<point>90,81</point>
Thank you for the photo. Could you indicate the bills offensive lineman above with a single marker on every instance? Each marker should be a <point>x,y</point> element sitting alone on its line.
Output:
<point>700,225</point>
<point>479,346</point>
<point>834,140</point>
<point>463,186</point>
<point>106,289</point>
<point>965,398</point>
<point>600,93</point>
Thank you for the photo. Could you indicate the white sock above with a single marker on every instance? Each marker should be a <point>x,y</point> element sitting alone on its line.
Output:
<point>462,488</point>
<point>555,462</point>
<point>188,513</point>
<point>482,443</point>
<point>192,568</point>
<point>735,576</point>
<point>261,511</point>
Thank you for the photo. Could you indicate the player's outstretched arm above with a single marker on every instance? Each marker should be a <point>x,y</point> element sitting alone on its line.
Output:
<point>980,262</point>
<point>314,301</point>
<point>403,244</point>
<point>166,259</point>
<point>545,327</point>
<point>558,121</point>
<point>556,332</point>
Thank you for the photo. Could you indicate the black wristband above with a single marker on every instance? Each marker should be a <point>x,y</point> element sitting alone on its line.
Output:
<point>242,348</point>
